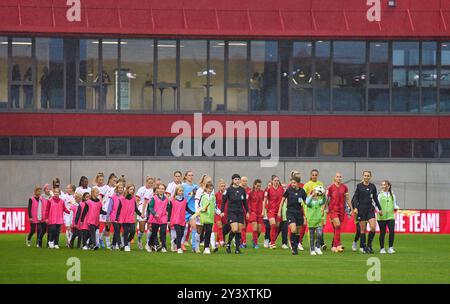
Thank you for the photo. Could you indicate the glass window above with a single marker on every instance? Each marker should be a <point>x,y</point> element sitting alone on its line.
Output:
<point>50,72</point>
<point>307,148</point>
<point>301,95</point>
<point>70,146</point>
<point>329,148</point>
<point>288,147</point>
<point>22,88</point>
<point>136,87</point>
<point>4,145</point>
<point>94,146</point>
<point>142,146</point>
<point>217,75</point>
<point>349,77</point>
<point>302,99</point>
<point>264,80</point>
<point>379,148</point>
<point>302,63</point>
<point>379,63</point>
<point>405,92</point>
<point>429,77</point>
<point>405,53</point>
<point>88,97</point>
<point>354,148</point>
<point>164,146</point>
<point>285,55</point>
<point>445,100</point>
<point>22,146</point>
<point>378,100</point>
<point>237,92</point>
<point>425,149</point>
<point>166,94</point>
<point>71,47</point>
<point>194,76</point>
<point>118,146</point>
<point>401,148</point>
<point>445,78</point>
<point>3,72</point>
<point>45,146</point>
<point>322,75</point>
<point>109,79</point>
<point>445,149</point>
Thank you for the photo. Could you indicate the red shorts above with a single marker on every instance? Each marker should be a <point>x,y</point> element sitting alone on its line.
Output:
<point>218,218</point>
<point>274,214</point>
<point>340,214</point>
<point>254,217</point>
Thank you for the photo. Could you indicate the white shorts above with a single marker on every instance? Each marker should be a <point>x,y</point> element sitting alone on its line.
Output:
<point>140,218</point>
<point>67,219</point>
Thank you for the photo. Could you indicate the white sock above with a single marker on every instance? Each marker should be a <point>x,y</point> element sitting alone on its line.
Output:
<point>140,236</point>
<point>97,237</point>
<point>148,236</point>
<point>183,239</point>
<point>68,236</point>
<point>108,241</point>
<point>213,240</point>
<point>121,238</point>
<point>173,235</point>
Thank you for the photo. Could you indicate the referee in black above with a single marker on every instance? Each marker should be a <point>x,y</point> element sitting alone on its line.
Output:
<point>365,201</point>
<point>236,197</point>
<point>294,196</point>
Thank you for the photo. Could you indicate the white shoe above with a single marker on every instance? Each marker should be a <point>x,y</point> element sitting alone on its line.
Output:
<point>56,247</point>
<point>391,250</point>
<point>318,251</point>
<point>140,246</point>
<point>206,251</point>
<point>180,250</point>
<point>197,250</point>
<point>284,246</point>
<point>266,243</point>
<point>28,243</point>
<point>361,250</point>
<point>127,249</point>
<point>85,248</point>
<point>147,247</point>
<point>354,246</point>
<point>163,250</point>
<point>313,252</point>
<point>300,247</point>
<point>383,251</point>
<point>173,247</point>
<point>50,245</point>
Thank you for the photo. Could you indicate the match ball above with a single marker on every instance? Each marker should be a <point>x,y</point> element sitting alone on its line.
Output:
<point>319,190</point>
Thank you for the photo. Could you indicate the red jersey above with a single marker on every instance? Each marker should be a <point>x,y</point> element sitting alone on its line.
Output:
<point>337,197</point>
<point>219,202</point>
<point>274,197</point>
<point>255,200</point>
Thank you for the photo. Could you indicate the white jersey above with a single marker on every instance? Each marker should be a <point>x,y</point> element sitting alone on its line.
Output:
<point>144,194</point>
<point>82,190</point>
<point>68,199</point>
<point>106,192</point>
<point>171,187</point>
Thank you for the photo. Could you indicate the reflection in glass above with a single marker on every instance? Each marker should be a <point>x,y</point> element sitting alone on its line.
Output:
<point>194,76</point>
<point>3,72</point>
<point>50,72</point>
<point>22,73</point>
<point>137,66</point>
<point>264,68</point>
<point>379,63</point>
<point>108,80</point>
<point>322,76</point>
<point>378,100</point>
<point>349,76</point>
<point>166,94</point>
<point>237,93</point>
<point>217,79</point>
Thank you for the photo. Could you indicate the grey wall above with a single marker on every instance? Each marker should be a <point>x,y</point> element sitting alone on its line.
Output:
<point>417,185</point>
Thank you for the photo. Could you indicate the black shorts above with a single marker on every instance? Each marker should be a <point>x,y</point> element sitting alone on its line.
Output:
<point>365,214</point>
<point>294,218</point>
<point>236,217</point>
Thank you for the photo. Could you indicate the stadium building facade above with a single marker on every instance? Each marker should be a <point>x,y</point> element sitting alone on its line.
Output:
<point>96,85</point>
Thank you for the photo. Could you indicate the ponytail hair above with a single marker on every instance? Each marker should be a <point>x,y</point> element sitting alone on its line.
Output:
<point>390,187</point>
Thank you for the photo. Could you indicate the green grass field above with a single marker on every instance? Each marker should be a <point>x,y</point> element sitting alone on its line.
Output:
<point>419,259</point>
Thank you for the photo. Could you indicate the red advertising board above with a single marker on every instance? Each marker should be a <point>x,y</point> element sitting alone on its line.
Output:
<point>15,220</point>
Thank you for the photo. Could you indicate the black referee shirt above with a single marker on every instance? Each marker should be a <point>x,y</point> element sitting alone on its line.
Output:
<point>236,198</point>
<point>364,196</point>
